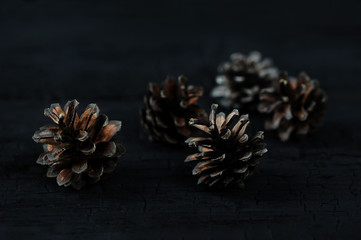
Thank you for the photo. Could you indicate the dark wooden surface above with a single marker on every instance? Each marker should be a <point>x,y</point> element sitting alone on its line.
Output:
<point>107,51</point>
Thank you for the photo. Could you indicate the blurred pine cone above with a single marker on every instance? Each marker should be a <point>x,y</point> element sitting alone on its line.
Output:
<point>240,80</point>
<point>226,155</point>
<point>296,105</point>
<point>78,150</point>
<point>168,108</point>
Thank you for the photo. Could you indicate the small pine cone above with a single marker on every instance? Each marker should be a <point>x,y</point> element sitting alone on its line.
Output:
<point>168,108</point>
<point>226,155</point>
<point>295,105</point>
<point>240,80</point>
<point>78,150</point>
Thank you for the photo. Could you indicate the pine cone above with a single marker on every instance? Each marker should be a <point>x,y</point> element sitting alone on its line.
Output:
<point>168,108</point>
<point>78,150</point>
<point>226,155</point>
<point>296,105</point>
<point>240,80</point>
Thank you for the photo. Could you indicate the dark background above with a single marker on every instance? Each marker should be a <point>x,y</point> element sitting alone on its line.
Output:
<point>107,51</point>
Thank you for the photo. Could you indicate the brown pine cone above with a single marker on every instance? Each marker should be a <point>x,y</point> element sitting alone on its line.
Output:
<point>226,155</point>
<point>78,150</point>
<point>295,105</point>
<point>168,108</point>
<point>240,80</point>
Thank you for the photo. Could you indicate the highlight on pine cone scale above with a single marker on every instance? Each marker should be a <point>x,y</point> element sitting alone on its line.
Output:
<point>240,80</point>
<point>227,156</point>
<point>78,150</point>
<point>295,105</point>
<point>168,108</point>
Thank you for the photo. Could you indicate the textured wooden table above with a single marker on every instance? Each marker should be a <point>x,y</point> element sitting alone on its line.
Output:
<point>107,52</point>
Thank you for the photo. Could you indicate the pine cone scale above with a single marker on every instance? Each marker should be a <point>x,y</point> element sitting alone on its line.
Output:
<point>105,149</point>
<point>95,171</point>
<point>80,167</point>
<point>64,176</point>
<point>88,147</point>
<point>70,113</point>
<point>108,131</point>
<point>88,117</point>
<point>43,159</point>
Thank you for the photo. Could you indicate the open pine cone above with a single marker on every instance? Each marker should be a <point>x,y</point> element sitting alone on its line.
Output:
<point>296,105</point>
<point>168,108</point>
<point>240,80</point>
<point>227,156</point>
<point>78,150</point>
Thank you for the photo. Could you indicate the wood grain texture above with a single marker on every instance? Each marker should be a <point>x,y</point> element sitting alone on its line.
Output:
<point>108,52</point>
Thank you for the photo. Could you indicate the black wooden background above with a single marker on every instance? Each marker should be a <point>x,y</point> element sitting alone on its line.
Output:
<point>107,51</point>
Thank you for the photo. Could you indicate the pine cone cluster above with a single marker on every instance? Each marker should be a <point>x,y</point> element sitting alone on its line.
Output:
<point>168,108</point>
<point>240,80</point>
<point>296,105</point>
<point>78,150</point>
<point>227,156</point>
